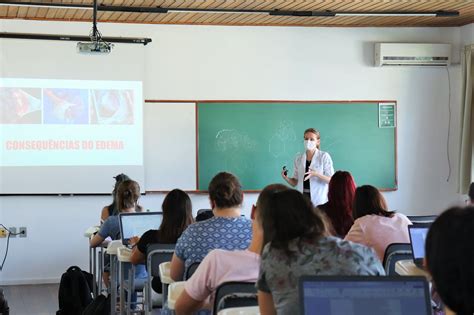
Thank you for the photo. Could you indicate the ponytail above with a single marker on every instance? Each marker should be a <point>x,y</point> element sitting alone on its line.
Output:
<point>128,193</point>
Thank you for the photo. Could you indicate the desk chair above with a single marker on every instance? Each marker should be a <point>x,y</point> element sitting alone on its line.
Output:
<point>235,294</point>
<point>155,255</point>
<point>131,285</point>
<point>112,249</point>
<point>415,219</point>
<point>394,253</point>
<point>204,214</point>
<point>194,266</point>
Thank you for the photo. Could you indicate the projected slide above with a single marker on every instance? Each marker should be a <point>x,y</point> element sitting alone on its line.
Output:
<point>70,123</point>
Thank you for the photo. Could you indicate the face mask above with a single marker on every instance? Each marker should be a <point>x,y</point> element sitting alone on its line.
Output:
<point>310,145</point>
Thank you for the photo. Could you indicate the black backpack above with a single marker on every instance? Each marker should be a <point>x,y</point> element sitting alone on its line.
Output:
<point>99,306</point>
<point>75,291</point>
<point>4,309</point>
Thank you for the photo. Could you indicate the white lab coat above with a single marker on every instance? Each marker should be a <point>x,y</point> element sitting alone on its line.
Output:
<point>322,163</point>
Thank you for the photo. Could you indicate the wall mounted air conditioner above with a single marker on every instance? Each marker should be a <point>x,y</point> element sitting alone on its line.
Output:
<point>404,54</point>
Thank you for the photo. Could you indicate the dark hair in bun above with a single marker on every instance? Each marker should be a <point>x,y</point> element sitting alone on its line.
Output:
<point>225,190</point>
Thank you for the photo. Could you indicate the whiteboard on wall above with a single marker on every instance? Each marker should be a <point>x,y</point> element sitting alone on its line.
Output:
<point>170,146</point>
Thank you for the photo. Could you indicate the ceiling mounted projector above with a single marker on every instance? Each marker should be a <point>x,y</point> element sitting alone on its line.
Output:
<point>98,47</point>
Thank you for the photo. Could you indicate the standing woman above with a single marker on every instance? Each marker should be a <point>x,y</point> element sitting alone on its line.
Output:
<point>313,169</point>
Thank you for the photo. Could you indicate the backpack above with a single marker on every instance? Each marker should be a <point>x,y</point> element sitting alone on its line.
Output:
<point>99,306</point>
<point>4,309</point>
<point>75,291</point>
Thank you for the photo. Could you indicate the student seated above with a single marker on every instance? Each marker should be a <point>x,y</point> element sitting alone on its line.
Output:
<point>221,266</point>
<point>471,193</point>
<point>128,193</point>
<point>226,230</point>
<point>297,243</point>
<point>338,209</point>
<point>177,215</point>
<point>449,259</point>
<point>374,225</point>
<point>111,209</point>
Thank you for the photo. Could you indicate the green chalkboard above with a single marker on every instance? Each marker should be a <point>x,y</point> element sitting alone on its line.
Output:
<point>255,139</point>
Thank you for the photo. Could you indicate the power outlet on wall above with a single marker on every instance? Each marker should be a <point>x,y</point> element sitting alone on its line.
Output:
<point>22,231</point>
<point>12,231</point>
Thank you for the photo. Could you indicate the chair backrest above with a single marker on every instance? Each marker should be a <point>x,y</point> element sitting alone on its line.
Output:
<point>394,253</point>
<point>156,254</point>
<point>235,294</point>
<point>204,214</point>
<point>191,269</point>
<point>422,218</point>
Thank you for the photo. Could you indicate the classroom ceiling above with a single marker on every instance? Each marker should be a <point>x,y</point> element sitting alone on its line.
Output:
<point>464,7</point>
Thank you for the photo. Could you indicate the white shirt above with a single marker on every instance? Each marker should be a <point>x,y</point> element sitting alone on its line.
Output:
<point>321,163</point>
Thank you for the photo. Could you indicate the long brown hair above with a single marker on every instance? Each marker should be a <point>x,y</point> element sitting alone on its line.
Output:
<point>289,215</point>
<point>177,215</point>
<point>369,200</point>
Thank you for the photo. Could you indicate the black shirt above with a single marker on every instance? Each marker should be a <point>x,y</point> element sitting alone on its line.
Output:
<point>149,237</point>
<point>306,182</point>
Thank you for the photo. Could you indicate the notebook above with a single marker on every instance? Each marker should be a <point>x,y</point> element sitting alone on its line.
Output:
<point>418,233</point>
<point>362,295</point>
<point>137,223</point>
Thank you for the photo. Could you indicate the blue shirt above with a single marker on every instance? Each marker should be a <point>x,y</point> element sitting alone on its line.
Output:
<point>111,228</point>
<point>229,233</point>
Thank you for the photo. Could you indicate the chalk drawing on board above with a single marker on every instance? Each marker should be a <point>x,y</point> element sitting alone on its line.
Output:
<point>284,135</point>
<point>234,141</point>
<point>328,143</point>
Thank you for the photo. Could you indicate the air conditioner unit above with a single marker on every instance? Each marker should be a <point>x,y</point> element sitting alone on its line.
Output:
<point>403,54</point>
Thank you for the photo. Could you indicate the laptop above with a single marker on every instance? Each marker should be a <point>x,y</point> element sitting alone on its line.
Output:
<point>136,223</point>
<point>418,233</point>
<point>362,295</point>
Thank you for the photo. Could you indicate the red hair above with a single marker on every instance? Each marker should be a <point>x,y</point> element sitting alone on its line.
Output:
<point>341,194</point>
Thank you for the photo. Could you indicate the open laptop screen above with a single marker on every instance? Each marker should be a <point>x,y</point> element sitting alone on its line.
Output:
<point>137,223</point>
<point>418,233</point>
<point>362,295</point>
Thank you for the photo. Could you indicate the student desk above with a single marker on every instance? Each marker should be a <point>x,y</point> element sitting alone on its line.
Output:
<point>89,233</point>
<point>248,310</point>
<point>123,256</point>
<point>112,250</point>
<point>174,292</point>
<point>165,278</point>
<point>408,268</point>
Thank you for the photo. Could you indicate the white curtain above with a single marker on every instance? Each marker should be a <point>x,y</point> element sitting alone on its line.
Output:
<point>467,117</point>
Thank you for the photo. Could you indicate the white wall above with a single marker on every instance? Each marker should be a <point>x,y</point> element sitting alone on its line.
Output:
<point>467,34</point>
<point>203,62</point>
